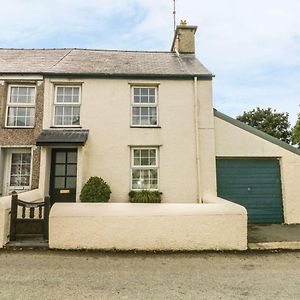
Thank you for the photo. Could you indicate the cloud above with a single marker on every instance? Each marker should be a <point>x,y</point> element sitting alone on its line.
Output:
<point>251,46</point>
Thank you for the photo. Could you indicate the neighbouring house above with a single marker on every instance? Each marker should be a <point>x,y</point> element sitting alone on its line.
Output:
<point>140,120</point>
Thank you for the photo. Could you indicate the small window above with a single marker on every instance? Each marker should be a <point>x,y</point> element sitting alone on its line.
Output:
<point>20,106</point>
<point>20,170</point>
<point>144,106</point>
<point>67,106</point>
<point>144,171</point>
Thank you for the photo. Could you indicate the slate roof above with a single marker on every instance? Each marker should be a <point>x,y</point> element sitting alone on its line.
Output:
<point>50,137</point>
<point>105,62</point>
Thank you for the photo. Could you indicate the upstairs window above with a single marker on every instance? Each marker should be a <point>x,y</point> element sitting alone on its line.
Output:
<point>144,169</point>
<point>144,106</point>
<point>67,106</point>
<point>20,106</point>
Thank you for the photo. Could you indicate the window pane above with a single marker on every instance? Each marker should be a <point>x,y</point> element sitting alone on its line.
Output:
<point>152,91</point>
<point>60,157</point>
<point>76,120</point>
<point>67,110</point>
<point>15,170</point>
<point>60,170</point>
<point>59,110</point>
<point>25,180</point>
<point>71,170</point>
<point>16,158</point>
<point>144,91</point>
<point>59,182</point>
<point>15,181</point>
<point>144,153</point>
<point>25,170</point>
<point>136,111</point>
<point>68,91</point>
<point>26,158</point>
<point>58,120</point>
<point>72,157</point>
<point>144,99</point>
<point>71,183</point>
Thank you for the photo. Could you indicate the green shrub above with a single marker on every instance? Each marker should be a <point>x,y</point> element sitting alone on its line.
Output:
<point>95,190</point>
<point>145,196</point>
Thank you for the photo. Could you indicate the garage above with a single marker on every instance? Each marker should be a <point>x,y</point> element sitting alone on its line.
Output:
<point>254,184</point>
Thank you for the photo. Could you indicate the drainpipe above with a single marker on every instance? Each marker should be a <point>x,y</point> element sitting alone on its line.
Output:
<point>196,118</point>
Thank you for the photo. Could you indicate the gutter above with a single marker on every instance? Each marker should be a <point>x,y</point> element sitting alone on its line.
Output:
<point>207,76</point>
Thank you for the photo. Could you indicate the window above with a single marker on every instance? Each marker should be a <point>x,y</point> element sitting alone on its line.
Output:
<point>144,106</point>
<point>67,106</point>
<point>144,173</point>
<point>20,170</point>
<point>20,106</point>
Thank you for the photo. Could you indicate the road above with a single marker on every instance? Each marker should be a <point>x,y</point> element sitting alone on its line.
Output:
<point>92,275</point>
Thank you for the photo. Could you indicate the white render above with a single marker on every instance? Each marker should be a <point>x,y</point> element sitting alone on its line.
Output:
<point>105,111</point>
<point>170,226</point>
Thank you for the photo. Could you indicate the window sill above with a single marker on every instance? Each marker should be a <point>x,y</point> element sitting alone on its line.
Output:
<point>18,127</point>
<point>66,127</point>
<point>133,126</point>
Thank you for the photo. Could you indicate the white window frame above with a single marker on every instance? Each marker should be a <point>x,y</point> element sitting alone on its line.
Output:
<point>10,104</point>
<point>133,104</point>
<point>155,167</point>
<point>57,104</point>
<point>19,151</point>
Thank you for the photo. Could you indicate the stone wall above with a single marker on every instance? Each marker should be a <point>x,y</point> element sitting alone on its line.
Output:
<point>23,136</point>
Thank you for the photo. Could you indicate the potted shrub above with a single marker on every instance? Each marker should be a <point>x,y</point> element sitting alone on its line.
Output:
<point>144,196</point>
<point>95,190</point>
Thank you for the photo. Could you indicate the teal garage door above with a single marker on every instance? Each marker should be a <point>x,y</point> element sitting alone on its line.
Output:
<point>255,184</point>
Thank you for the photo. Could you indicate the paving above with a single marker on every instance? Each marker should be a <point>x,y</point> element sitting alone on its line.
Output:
<point>274,236</point>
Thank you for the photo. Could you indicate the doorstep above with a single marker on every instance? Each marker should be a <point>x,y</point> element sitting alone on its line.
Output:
<point>28,242</point>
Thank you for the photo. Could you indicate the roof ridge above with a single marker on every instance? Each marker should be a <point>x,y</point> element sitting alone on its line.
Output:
<point>88,49</point>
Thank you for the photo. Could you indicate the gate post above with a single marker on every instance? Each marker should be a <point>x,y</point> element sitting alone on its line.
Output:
<point>46,217</point>
<point>13,216</point>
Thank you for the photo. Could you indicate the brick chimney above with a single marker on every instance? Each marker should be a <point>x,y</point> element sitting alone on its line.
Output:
<point>184,38</point>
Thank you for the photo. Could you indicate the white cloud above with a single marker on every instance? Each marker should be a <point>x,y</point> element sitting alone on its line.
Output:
<point>251,46</point>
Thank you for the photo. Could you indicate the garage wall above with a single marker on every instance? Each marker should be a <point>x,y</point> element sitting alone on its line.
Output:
<point>233,141</point>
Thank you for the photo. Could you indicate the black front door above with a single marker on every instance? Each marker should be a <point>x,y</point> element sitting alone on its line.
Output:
<point>63,175</point>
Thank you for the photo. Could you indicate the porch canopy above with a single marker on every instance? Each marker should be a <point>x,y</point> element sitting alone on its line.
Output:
<point>62,137</point>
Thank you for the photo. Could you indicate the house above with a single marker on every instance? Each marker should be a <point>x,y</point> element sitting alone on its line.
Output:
<point>140,120</point>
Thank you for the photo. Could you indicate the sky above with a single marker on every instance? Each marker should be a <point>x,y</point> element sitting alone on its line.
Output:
<point>252,47</point>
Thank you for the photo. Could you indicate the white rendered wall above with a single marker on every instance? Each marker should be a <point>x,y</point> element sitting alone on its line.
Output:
<point>128,226</point>
<point>105,111</point>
